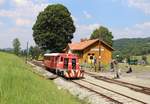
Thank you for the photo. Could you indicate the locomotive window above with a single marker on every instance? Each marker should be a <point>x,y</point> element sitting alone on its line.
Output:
<point>56,59</point>
<point>91,57</point>
<point>61,59</point>
<point>46,58</point>
<point>66,60</point>
<point>73,63</point>
<point>52,58</point>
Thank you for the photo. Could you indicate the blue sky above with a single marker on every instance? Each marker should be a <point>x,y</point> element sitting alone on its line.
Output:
<point>125,18</point>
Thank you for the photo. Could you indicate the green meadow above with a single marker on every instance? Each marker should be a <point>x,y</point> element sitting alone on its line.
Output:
<point>18,85</point>
<point>140,57</point>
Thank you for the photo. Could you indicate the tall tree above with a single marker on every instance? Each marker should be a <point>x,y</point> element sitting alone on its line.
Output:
<point>16,46</point>
<point>34,52</point>
<point>104,34</point>
<point>54,28</point>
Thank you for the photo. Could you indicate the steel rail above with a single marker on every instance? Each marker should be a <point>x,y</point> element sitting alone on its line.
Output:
<point>114,91</point>
<point>138,88</point>
<point>102,95</point>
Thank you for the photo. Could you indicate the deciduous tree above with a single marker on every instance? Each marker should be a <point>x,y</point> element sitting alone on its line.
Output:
<point>34,52</point>
<point>104,34</point>
<point>54,28</point>
<point>16,46</point>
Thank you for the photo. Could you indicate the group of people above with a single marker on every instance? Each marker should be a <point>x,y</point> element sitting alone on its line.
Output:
<point>114,67</point>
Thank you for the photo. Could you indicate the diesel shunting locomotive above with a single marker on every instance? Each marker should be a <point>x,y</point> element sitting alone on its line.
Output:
<point>66,65</point>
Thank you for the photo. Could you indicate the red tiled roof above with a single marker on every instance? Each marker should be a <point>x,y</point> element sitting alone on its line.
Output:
<point>81,45</point>
<point>85,44</point>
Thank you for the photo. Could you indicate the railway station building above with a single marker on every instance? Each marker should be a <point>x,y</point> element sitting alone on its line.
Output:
<point>91,51</point>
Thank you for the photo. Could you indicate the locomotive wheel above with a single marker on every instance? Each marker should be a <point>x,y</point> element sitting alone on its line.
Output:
<point>62,73</point>
<point>57,71</point>
<point>46,68</point>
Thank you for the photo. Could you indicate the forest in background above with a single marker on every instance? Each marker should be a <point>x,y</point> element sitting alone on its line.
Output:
<point>131,47</point>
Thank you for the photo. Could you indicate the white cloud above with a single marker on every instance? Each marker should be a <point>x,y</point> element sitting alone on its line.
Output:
<point>143,5</point>
<point>23,22</point>
<point>74,18</point>
<point>138,30</point>
<point>21,13</point>
<point>84,31</point>
<point>20,2</point>
<point>87,15</point>
<point>8,13</point>
<point>1,2</point>
<point>145,25</point>
<point>7,36</point>
<point>1,23</point>
<point>27,10</point>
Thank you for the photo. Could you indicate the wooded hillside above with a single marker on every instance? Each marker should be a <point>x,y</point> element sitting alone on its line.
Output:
<point>131,46</point>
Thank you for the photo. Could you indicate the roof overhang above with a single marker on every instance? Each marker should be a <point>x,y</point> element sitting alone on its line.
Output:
<point>52,54</point>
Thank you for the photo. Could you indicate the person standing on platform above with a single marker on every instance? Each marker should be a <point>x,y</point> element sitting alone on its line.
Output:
<point>112,66</point>
<point>95,62</point>
<point>116,68</point>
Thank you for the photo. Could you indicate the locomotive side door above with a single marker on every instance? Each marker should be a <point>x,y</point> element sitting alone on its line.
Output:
<point>66,61</point>
<point>74,63</point>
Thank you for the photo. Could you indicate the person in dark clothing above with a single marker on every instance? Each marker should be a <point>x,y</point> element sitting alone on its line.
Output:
<point>112,66</point>
<point>116,68</point>
<point>130,70</point>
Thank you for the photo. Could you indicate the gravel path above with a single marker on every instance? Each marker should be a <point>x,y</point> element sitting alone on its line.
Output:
<point>81,93</point>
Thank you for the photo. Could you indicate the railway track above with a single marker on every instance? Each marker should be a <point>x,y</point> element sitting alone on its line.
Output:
<point>137,88</point>
<point>111,95</point>
<point>97,92</point>
<point>38,63</point>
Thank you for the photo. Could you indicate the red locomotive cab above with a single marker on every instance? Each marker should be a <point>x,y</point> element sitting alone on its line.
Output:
<point>50,61</point>
<point>64,64</point>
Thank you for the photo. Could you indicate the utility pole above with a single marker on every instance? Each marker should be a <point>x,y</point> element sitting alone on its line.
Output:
<point>99,63</point>
<point>27,53</point>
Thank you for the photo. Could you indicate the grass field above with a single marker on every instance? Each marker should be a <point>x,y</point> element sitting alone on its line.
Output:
<point>20,86</point>
<point>140,57</point>
<point>135,68</point>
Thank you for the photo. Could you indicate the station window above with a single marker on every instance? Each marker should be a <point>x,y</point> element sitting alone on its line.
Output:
<point>46,57</point>
<point>91,57</point>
